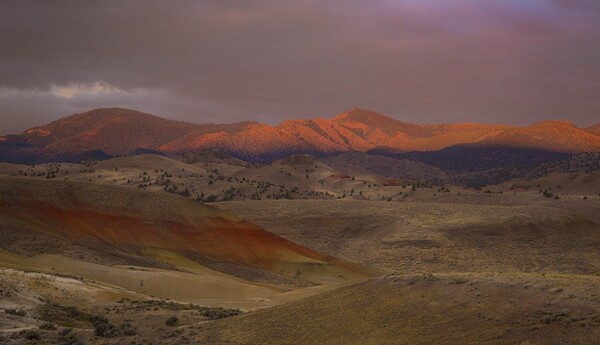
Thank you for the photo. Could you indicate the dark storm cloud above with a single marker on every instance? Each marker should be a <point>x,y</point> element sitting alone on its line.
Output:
<point>222,61</point>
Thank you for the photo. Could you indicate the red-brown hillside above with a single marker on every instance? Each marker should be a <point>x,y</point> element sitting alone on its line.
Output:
<point>595,129</point>
<point>560,136</point>
<point>112,130</point>
<point>139,222</point>
<point>119,131</point>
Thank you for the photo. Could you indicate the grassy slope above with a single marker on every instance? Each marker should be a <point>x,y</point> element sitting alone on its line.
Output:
<point>442,309</point>
<point>435,237</point>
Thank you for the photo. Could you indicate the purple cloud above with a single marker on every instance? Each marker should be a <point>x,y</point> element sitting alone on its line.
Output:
<point>421,61</point>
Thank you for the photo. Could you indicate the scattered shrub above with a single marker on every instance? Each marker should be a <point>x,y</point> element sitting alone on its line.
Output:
<point>69,337</point>
<point>48,326</point>
<point>66,331</point>
<point>31,335</point>
<point>172,321</point>
<point>220,313</point>
<point>61,315</point>
<point>14,311</point>
<point>128,330</point>
<point>104,328</point>
<point>211,198</point>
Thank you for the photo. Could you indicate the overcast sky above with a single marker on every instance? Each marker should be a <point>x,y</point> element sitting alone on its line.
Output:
<point>423,61</point>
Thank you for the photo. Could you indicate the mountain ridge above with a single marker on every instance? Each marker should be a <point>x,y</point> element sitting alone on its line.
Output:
<point>119,131</point>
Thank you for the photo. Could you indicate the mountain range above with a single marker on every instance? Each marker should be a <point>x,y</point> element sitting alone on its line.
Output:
<point>106,132</point>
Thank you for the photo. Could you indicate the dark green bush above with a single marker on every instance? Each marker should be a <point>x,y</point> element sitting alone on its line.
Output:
<point>48,326</point>
<point>69,337</point>
<point>220,313</point>
<point>128,330</point>
<point>172,321</point>
<point>103,328</point>
<point>31,335</point>
<point>14,311</point>
<point>66,331</point>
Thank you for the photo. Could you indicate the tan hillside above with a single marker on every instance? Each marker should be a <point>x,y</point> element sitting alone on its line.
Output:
<point>446,233</point>
<point>428,309</point>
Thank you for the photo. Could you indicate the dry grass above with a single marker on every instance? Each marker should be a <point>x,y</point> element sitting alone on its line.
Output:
<point>474,268</point>
<point>435,237</point>
<point>428,309</point>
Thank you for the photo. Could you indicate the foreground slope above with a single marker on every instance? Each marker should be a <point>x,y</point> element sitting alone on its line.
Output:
<point>429,309</point>
<point>503,268</point>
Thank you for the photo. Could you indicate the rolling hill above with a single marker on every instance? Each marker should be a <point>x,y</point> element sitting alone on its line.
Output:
<point>79,240</point>
<point>427,309</point>
<point>475,233</point>
<point>155,227</point>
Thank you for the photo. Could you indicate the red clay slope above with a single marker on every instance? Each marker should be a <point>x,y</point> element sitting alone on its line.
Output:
<point>136,221</point>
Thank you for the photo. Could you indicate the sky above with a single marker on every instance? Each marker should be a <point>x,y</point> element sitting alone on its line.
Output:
<point>422,61</point>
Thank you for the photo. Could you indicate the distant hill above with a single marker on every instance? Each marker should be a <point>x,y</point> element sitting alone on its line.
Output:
<point>557,136</point>
<point>117,131</point>
<point>468,164</point>
<point>112,130</point>
<point>357,163</point>
<point>595,129</point>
